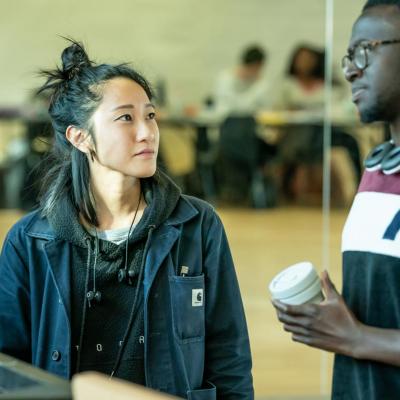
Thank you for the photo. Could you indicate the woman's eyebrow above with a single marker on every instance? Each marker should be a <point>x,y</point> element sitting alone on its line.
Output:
<point>123,106</point>
<point>131,106</point>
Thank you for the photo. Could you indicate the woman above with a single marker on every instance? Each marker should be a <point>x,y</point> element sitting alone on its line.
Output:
<point>118,271</point>
<point>303,91</point>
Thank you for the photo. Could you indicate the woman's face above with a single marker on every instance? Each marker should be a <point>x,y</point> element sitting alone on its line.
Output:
<point>125,129</point>
<point>305,63</point>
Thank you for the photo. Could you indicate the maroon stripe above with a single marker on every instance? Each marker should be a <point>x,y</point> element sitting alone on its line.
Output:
<point>377,181</point>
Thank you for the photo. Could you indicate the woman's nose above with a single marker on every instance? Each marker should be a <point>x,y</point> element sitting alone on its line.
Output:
<point>143,132</point>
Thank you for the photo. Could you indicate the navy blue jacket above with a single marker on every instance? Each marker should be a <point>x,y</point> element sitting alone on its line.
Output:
<point>195,347</point>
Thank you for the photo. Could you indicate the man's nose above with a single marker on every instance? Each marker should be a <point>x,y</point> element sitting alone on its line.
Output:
<point>351,72</point>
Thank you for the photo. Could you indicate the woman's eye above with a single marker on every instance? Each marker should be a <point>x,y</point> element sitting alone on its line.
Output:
<point>152,115</point>
<point>125,117</point>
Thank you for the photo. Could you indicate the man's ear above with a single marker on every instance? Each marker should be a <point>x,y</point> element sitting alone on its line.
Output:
<point>79,138</point>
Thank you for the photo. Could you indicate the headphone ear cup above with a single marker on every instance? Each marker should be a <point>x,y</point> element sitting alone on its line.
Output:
<point>373,162</point>
<point>391,162</point>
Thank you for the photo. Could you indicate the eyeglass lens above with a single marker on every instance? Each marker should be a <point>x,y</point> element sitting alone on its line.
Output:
<point>358,57</point>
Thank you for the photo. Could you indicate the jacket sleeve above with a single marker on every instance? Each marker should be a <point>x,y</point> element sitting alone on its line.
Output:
<point>228,358</point>
<point>14,302</point>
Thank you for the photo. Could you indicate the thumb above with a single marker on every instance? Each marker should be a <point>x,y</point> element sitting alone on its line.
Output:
<point>328,286</point>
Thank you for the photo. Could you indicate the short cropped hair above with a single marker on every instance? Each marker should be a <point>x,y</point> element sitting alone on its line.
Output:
<point>374,3</point>
<point>253,55</point>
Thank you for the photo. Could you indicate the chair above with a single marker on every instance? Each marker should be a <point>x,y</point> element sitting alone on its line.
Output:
<point>243,154</point>
<point>177,151</point>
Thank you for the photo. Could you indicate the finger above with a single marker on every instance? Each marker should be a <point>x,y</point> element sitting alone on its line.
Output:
<point>328,286</point>
<point>314,341</point>
<point>305,339</point>
<point>298,330</point>
<point>279,305</point>
<point>299,310</point>
<point>299,321</point>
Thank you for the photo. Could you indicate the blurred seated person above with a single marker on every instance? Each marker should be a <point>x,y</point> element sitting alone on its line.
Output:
<point>238,94</point>
<point>239,90</point>
<point>243,90</point>
<point>303,90</point>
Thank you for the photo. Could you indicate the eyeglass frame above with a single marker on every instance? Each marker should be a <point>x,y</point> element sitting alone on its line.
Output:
<point>367,46</point>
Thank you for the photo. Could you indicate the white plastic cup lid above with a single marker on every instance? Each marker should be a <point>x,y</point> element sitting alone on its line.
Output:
<point>293,280</point>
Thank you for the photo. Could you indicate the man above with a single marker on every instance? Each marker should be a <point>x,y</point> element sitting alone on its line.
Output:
<point>242,90</point>
<point>363,325</point>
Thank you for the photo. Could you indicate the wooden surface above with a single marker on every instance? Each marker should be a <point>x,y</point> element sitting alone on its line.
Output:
<point>92,385</point>
<point>263,243</point>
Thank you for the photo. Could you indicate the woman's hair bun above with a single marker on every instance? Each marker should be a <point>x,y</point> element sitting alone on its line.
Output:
<point>74,59</point>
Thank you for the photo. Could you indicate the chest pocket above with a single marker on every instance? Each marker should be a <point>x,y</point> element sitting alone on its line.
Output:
<point>187,304</point>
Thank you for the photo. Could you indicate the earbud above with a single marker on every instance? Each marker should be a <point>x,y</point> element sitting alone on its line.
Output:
<point>121,275</point>
<point>127,276</point>
<point>91,295</point>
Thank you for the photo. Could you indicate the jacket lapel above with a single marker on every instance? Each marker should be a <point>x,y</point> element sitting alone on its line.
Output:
<point>58,256</point>
<point>165,237</point>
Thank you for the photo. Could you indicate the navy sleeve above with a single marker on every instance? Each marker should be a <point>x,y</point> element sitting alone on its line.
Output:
<point>228,358</point>
<point>14,302</point>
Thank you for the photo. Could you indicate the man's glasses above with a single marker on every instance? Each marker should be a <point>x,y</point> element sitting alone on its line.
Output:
<point>358,55</point>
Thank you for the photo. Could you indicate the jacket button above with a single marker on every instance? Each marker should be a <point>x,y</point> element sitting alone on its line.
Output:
<point>55,355</point>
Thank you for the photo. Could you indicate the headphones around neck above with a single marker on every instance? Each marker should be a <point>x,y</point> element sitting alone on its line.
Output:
<point>385,157</point>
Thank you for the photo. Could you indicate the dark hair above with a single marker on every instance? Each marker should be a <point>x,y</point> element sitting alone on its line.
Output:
<point>75,95</point>
<point>318,71</point>
<point>374,3</point>
<point>253,55</point>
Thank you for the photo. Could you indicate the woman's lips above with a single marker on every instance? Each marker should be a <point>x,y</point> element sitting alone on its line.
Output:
<point>147,153</point>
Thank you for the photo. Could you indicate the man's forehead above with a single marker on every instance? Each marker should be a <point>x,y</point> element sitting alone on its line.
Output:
<point>377,23</point>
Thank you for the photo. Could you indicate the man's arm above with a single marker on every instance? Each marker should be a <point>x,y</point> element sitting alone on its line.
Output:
<point>331,326</point>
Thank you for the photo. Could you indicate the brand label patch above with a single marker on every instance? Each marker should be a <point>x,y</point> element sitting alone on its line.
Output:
<point>197,297</point>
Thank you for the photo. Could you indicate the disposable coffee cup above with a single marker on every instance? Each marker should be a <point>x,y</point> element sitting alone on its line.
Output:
<point>297,284</point>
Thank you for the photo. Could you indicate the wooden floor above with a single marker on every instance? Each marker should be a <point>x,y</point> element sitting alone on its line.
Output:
<point>262,243</point>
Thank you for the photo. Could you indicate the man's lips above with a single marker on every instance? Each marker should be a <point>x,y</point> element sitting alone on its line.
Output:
<point>357,92</point>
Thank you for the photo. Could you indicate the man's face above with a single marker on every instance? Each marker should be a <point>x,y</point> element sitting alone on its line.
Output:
<point>376,89</point>
<point>252,72</point>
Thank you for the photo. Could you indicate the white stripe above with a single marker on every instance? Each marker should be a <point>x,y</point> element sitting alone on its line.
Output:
<point>369,217</point>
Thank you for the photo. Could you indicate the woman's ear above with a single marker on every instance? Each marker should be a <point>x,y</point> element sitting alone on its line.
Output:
<point>80,138</point>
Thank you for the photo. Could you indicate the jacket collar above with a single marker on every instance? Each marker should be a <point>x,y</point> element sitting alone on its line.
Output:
<point>39,227</point>
<point>184,211</point>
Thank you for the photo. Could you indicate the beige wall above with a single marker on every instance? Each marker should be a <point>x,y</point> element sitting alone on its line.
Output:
<point>185,41</point>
